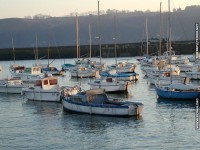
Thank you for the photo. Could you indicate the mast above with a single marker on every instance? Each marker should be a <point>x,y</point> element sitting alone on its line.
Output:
<point>90,42</point>
<point>160,43</point>
<point>36,51</point>
<point>13,50</point>
<point>147,37</point>
<point>48,45</point>
<point>77,38</point>
<point>99,33</point>
<point>115,39</point>
<point>169,43</point>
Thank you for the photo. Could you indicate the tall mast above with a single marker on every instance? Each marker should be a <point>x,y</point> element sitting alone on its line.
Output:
<point>169,25</point>
<point>99,33</point>
<point>77,38</point>
<point>48,45</point>
<point>13,50</point>
<point>169,43</point>
<point>115,39</point>
<point>160,43</point>
<point>36,51</point>
<point>147,37</point>
<point>90,41</point>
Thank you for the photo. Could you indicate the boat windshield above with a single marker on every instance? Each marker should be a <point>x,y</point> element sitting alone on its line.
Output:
<point>53,82</point>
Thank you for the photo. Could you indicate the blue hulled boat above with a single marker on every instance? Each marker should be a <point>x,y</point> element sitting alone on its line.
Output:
<point>126,76</point>
<point>68,66</point>
<point>178,91</point>
<point>96,102</point>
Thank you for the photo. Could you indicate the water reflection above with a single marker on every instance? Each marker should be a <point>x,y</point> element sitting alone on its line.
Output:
<point>4,97</point>
<point>174,103</point>
<point>121,96</point>
<point>96,123</point>
<point>48,108</point>
<point>151,86</point>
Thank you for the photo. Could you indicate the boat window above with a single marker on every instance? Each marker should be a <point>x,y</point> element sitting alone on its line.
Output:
<point>45,82</point>
<point>98,99</point>
<point>167,74</point>
<point>36,69</point>
<point>19,68</point>
<point>27,70</point>
<point>53,82</point>
<point>109,79</point>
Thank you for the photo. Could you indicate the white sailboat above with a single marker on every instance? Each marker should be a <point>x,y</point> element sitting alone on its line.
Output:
<point>80,70</point>
<point>15,68</point>
<point>111,85</point>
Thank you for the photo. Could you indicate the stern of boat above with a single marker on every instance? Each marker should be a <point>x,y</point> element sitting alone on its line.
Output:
<point>136,109</point>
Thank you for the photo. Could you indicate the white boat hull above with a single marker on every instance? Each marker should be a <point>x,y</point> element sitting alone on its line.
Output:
<point>11,89</point>
<point>114,88</point>
<point>82,74</point>
<point>111,87</point>
<point>100,110</point>
<point>47,95</point>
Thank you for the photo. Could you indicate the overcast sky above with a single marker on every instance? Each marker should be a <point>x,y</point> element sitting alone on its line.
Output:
<point>21,8</point>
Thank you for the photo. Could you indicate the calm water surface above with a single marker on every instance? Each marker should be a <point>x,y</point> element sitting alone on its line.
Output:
<point>164,124</point>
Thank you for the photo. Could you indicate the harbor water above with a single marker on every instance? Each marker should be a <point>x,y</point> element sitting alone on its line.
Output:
<point>29,125</point>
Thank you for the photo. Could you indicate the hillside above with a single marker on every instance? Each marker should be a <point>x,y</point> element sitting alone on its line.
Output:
<point>61,31</point>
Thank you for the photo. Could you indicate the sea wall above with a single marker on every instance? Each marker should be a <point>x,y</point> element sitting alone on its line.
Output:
<point>108,50</point>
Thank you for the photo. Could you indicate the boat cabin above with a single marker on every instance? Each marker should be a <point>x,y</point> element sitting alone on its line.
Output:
<point>17,68</point>
<point>46,83</point>
<point>33,70</point>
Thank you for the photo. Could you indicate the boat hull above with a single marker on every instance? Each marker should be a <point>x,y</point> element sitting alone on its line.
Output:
<point>112,88</point>
<point>11,89</point>
<point>177,94</point>
<point>51,96</point>
<point>82,74</point>
<point>121,76</point>
<point>101,109</point>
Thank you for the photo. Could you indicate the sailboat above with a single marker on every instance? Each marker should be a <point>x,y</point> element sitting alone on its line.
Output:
<point>50,69</point>
<point>80,70</point>
<point>177,90</point>
<point>15,68</point>
<point>111,85</point>
<point>12,85</point>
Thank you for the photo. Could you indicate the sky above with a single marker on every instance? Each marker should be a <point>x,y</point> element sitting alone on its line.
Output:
<point>57,8</point>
